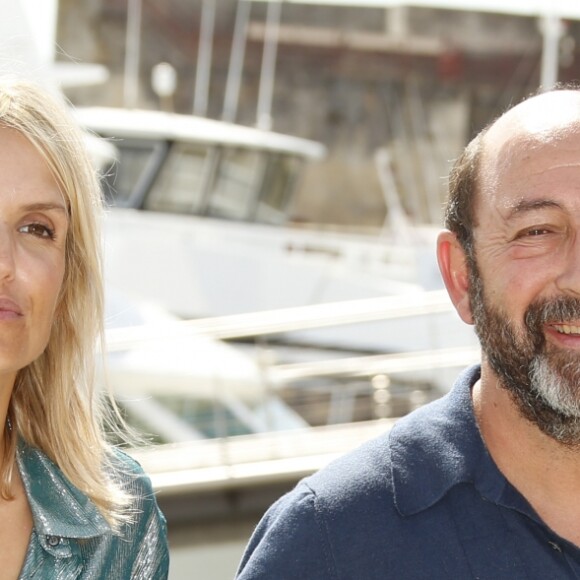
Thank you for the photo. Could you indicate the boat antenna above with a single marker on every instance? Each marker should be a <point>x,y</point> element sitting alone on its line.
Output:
<point>132,54</point>
<point>268,71</point>
<point>204,58</point>
<point>236,63</point>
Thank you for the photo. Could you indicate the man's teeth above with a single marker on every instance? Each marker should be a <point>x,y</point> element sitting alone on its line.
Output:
<point>567,329</point>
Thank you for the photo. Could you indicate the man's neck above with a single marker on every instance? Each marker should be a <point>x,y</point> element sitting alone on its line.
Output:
<point>544,471</point>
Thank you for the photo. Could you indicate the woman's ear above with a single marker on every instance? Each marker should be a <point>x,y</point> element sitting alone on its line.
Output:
<point>453,266</point>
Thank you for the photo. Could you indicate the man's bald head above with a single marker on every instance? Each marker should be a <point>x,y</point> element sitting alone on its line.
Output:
<point>547,117</point>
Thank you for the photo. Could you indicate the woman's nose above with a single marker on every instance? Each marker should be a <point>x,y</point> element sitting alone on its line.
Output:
<point>7,261</point>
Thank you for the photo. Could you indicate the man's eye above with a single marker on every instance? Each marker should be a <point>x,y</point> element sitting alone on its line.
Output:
<point>39,230</point>
<point>536,232</point>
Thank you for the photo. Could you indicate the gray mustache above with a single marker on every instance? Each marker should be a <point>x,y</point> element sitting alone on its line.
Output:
<point>562,310</point>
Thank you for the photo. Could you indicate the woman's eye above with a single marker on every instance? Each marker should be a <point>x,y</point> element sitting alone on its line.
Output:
<point>39,230</point>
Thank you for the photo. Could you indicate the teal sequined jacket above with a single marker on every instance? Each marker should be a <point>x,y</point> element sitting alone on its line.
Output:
<point>71,539</point>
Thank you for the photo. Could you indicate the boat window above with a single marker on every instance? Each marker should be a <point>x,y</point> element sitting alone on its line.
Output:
<point>277,189</point>
<point>208,416</point>
<point>179,187</point>
<point>236,183</point>
<point>126,175</point>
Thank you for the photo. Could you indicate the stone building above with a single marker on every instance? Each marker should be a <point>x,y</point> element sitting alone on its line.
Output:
<point>415,83</point>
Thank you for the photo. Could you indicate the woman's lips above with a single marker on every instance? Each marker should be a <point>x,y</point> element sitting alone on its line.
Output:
<point>9,309</point>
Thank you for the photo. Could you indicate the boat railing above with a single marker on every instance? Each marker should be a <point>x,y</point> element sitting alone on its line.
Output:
<point>238,326</point>
<point>268,451</point>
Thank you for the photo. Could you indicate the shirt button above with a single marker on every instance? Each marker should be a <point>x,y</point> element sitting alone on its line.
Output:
<point>53,541</point>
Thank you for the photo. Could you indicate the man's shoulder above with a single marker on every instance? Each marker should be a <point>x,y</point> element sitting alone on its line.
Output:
<point>359,514</point>
<point>402,472</point>
<point>362,472</point>
<point>414,446</point>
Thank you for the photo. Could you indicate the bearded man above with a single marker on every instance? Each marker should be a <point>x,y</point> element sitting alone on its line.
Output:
<point>485,482</point>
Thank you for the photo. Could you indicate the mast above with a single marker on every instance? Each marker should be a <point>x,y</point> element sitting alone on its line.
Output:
<point>132,54</point>
<point>202,74</point>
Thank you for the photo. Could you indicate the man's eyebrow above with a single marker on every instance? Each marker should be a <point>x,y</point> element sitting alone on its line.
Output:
<point>526,205</point>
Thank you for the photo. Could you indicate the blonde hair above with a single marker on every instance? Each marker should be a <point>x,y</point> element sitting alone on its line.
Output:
<point>54,406</point>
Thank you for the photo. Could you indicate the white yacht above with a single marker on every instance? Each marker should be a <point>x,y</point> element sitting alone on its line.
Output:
<point>200,223</point>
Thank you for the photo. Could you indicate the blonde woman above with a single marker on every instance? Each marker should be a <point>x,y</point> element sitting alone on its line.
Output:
<point>71,506</point>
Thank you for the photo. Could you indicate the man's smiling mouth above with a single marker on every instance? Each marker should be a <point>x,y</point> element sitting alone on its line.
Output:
<point>566,328</point>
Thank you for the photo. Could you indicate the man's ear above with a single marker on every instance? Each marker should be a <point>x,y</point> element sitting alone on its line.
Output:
<point>453,265</point>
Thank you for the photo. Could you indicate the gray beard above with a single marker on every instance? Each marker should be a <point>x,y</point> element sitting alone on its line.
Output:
<point>560,395</point>
<point>544,382</point>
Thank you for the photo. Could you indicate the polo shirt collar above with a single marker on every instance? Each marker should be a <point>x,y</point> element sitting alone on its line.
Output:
<point>58,508</point>
<point>439,446</point>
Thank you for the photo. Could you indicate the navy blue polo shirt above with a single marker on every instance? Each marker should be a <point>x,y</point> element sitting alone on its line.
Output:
<point>425,501</point>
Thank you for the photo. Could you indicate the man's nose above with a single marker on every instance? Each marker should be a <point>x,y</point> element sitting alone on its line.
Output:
<point>568,280</point>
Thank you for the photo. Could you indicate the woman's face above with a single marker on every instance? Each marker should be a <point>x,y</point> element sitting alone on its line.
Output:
<point>33,231</point>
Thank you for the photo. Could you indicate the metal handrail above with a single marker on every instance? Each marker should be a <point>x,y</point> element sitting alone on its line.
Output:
<point>369,366</point>
<point>285,319</point>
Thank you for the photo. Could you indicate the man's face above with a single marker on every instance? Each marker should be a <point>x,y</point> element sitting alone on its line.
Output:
<point>525,279</point>
<point>544,381</point>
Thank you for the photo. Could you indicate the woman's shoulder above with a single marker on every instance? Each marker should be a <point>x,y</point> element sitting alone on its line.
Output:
<point>146,525</point>
<point>128,473</point>
<point>143,536</point>
<point>123,462</point>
